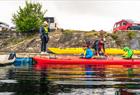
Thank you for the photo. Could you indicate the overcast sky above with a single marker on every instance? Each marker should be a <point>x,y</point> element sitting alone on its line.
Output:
<point>79,14</point>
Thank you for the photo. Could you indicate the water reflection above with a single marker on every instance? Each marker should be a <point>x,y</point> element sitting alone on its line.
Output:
<point>101,79</point>
<point>69,80</point>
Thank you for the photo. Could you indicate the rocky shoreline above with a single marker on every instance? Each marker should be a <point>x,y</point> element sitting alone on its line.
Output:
<point>30,43</point>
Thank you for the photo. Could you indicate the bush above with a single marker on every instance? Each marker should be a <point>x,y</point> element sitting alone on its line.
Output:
<point>29,18</point>
<point>131,34</point>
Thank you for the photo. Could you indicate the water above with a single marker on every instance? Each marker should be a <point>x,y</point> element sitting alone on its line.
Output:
<point>24,78</point>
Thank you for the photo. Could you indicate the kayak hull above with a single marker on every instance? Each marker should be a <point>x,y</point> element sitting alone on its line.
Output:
<point>43,60</point>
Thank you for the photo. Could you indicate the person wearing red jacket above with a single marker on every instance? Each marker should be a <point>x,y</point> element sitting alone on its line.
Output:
<point>99,47</point>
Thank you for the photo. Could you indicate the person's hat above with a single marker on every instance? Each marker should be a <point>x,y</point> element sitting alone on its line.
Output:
<point>45,23</point>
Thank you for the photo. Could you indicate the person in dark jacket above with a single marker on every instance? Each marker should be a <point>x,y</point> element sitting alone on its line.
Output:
<point>44,37</point>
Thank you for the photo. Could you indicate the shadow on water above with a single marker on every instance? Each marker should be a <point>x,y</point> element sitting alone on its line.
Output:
<point>23,78</point>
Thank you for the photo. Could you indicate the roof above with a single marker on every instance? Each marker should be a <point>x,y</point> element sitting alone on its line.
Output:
<point>4,23</point>
<point>129,20</point>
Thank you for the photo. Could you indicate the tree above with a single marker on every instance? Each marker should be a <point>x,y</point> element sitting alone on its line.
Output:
<point>29,18</point>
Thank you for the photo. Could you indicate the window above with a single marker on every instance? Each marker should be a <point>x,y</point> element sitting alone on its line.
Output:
<point>123,23</point>
<point>116,25</point>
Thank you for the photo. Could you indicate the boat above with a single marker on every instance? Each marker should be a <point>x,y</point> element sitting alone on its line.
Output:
<point>23,62</point>
<point>7,58</point>
<point>66,50</point>
<point>109,51</point>
<point>97,62</point>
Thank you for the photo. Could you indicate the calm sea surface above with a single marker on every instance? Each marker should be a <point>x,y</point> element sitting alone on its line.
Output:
<point>23,78</point>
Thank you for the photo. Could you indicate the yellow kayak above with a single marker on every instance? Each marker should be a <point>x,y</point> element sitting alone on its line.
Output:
<point>109,51</point>
<point>66,50</point>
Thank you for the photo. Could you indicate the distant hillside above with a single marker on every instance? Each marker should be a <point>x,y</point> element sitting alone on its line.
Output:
<point>66,38</point>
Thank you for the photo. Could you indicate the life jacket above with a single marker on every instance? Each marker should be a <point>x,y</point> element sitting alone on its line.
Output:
<point>100,44</point>
<point>46,29</point>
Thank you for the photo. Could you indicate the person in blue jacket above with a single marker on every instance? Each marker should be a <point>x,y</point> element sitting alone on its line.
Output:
<point>88,52</point>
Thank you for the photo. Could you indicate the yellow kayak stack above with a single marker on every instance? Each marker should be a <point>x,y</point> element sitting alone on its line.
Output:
<point>109,51</point>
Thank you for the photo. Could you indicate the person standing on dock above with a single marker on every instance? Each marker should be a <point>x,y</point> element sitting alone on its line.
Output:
<point>44,37</point>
